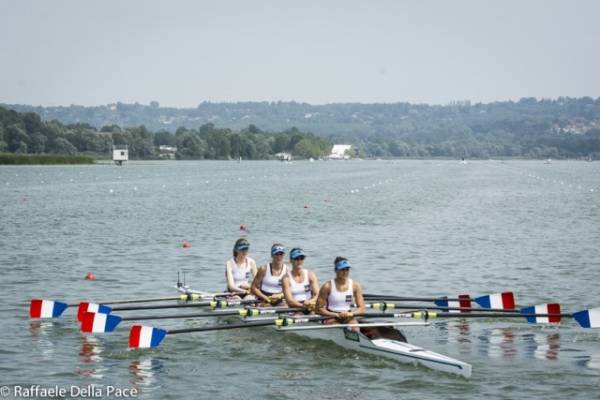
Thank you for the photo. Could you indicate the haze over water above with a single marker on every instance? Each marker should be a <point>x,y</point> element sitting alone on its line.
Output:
<point>408,227</point>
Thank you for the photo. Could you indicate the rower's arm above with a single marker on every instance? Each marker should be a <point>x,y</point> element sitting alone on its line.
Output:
<point>359,299</point>
<point>230,282</point>
<point>314,285</point>
<point>322,301</point>
<point>287,293</point>
<point>256,283</point>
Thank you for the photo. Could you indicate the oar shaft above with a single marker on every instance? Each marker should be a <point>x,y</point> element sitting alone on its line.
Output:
<point>186,305</point>
<point>384,306</point>
<point>373,297</point>
<point>269,310</point>
<point>151,300</point>
<point>425,315</point>
<point>220,327</point>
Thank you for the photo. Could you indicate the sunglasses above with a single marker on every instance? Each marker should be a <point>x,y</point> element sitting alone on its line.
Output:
<point>300,258</point>
<point>279,253</point>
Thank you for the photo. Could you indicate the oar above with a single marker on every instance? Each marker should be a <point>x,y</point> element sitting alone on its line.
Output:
<point>504,300</point>
<point>552,308</point>
<point>147,336</point>
<point>586,318</point>
<point>40,308</point>
<point>211,303</point>
<point>104,323</point>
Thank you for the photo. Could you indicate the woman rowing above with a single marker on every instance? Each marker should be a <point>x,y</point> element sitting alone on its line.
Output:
<point>266,285</point>
<point>239,269</point>
<point>300,286</point>
<point>338,295</point>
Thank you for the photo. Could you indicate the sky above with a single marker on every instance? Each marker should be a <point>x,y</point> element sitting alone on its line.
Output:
<point>181,53</point>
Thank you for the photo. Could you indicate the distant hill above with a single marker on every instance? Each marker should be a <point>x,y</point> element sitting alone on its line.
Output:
<point>563,127</point>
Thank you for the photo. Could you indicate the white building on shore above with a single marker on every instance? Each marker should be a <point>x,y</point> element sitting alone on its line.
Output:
<point>340,152</point>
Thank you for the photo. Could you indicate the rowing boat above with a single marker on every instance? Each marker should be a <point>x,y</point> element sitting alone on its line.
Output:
<point>381,339</point>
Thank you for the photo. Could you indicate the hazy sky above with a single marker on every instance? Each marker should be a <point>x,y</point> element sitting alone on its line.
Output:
<point>181,53</point>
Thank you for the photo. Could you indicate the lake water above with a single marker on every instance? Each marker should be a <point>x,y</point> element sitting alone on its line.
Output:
<point>414,228</point>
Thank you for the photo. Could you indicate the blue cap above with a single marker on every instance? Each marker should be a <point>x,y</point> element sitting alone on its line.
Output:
<point>297,252</point>
<point>278,249</point>
<point>244,245</point>
<point>342,264</point>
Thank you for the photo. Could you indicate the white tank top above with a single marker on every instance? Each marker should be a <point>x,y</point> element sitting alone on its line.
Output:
<point>300,291</point>
<point>241,274</point>
<point>272,284</point>
<point>340,301</point>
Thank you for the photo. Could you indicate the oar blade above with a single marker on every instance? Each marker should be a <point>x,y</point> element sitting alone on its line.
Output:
<point>145,337</point>
<point>588,318</point>
<point>91,307</point>
<point>505,300</point>
<point>39,308</point>
<point>464,301</point>
<point>99,322</point>
<point>550,308</point>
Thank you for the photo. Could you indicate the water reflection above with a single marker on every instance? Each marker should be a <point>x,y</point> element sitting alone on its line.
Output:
<point>39,333</point>
<point>498,343</point>
<point>91,356</point>
<point>143,372</point>
<point>541,345</point>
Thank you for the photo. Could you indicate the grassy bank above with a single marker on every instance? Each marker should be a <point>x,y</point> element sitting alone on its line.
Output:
<point>43,159</point>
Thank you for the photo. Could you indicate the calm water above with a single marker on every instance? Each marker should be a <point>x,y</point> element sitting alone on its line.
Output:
<point>408,227</point>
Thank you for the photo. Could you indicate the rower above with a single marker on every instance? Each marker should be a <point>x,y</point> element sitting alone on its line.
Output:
<point>300,286</point>
<point>337,296</point>
<point>267,282</point>
<point>239,268</point>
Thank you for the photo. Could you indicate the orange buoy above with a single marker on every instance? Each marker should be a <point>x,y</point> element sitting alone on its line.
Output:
<point>186,245</point>
<point>90,277</point>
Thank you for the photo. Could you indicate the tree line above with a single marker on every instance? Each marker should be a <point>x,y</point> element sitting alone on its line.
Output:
<point>27,133</point>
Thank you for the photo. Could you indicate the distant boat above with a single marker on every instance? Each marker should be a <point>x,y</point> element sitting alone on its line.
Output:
<point>463,161</point>
<point>311,159</point>
<point>548,161</point>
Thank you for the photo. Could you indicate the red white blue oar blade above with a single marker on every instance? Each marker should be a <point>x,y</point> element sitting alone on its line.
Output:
<point>504,300</point>
<point>99,322</point>
<point>588,318</point>
<point>551,308</point>
<point>39,308</point>
<point>91,307</point>
<point>464,301</point>
<point>145,337</point>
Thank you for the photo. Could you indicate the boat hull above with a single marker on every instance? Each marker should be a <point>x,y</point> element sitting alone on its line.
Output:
<point>391,349</point>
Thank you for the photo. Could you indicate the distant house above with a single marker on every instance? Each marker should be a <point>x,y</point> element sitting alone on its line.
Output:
<point>340,152</point>
<point>120,154</point>
<point>167,151</point>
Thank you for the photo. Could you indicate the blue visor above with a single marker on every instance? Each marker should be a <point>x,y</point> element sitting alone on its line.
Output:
<point>243,246</point>
<point>342,264</point>
<point>296,253</point>
<point>278,249</point>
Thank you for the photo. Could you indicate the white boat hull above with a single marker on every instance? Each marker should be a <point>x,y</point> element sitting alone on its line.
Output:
<point>392,349</point>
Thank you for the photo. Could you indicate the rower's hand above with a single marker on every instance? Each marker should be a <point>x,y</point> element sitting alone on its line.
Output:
<point>345,315</point>
<point>310,305</point>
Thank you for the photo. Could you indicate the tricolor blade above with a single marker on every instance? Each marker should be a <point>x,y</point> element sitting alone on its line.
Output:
<point>551,308</point>
<point>91,307</point>
<point>145,337</point>
<point>39,308</point>
<point>588,318</point>
<point>505,300</point>
<point>99,322</point>
<point>464,301</point>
